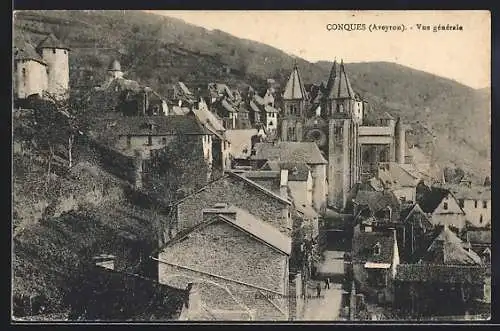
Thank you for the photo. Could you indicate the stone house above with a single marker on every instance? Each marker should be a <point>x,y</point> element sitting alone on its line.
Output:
<point>413,230</point>
<point>375,256</point>
<point>382,205</point>
<point>299,152</point>
<point>443,207</point>
<point>480,242</point>
<point>475,202</point>
<point>237,190</point>
<point>234,264</point>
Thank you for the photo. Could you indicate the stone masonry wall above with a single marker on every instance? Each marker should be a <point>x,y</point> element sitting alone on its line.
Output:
<point>222,250</point>
<point>234,192</point>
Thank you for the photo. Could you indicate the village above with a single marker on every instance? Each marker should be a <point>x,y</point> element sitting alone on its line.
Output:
<point>302,208</point>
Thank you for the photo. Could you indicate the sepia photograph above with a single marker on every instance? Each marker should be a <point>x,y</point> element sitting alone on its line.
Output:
<point>178,166</point>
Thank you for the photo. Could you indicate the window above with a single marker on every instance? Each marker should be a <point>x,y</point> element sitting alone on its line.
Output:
<point>150,141</point>
<point>271,123</point>
<point>485,204</point>
<point>481,219</point>
<point>53,51</point>
<point>129,141</point>
<point>475,203</point>
<point>64,51</point>
<point>376,249</point>
<point>445,205</point>
<point>341,108</point>
<point>164,140</point>
<point>461,203</point>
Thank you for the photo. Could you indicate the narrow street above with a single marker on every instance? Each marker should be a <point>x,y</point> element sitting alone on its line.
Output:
<point>329,305</point>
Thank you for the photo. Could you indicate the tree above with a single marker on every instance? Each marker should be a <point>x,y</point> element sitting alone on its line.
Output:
<point>178,168</point>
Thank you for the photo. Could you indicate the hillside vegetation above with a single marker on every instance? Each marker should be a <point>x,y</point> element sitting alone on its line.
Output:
<point>158,50</point>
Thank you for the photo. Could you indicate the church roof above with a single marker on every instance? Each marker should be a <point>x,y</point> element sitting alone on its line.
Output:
<point>339,86</point>
<point>115,65</point>
<point>294,89</point>
<point>52,42</point>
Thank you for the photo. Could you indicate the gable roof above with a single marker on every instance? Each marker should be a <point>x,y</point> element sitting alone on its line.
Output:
<point>447,248</point>
<point>51,42</point>
<point>410,210</point>
<point>364,242</point>
<point>239,177</point>
<point>377,201</point>
<point>297,171</point>
<point>208,118</point>
<point>339,86</point>
<point>475,192</point>
<point>287,151</point>
<point>294,89</point>
<point>393,175</point>
<point>246,222</point>
<point>431,200</point>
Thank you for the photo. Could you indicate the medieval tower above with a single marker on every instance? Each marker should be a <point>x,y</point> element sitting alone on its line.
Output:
<point>41,71</point>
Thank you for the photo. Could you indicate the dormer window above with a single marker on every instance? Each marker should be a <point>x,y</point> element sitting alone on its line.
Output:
<point>445,205</point>
<point>376,249</point>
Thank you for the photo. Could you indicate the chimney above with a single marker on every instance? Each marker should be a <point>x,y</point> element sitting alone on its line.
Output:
<point>220,208</point>
<point>284,183</point>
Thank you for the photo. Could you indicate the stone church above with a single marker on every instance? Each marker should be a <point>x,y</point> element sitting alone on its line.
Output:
<point>332,116</point>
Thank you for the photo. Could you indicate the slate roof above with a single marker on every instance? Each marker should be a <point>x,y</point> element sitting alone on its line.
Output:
<point>227,106</point>
<point>475,192</point>
<point>254,107</point>
<point>25,51</point>
<point>184,88</point>
<point>297,171</point>
<point>270,109</point>
<point>339,86</point>
<point>440,273</point>
<point>294,89</point>
<point>260,229</point>
<point>447,248</point>
<point>140,125</point>
<point>115,65</point>
<point>393,175</point>
<point>51,42</point>
<point>377,201</point>
<point>210,119</point>
<point>308,211</point>
<point>287,151</point>
<point>364,242</point>
<point>479,237</point>
<point>431,200</point>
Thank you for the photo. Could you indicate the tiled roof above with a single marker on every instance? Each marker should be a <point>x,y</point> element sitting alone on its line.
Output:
<point>296,171</point>
<point>141,125</point>
<point>294,89</point>
<point>447,248</point>
<point>254,107</point>
<point>364,243</point>
<point>286,151</point>
<point>338,85</point>
<point>239,141</point>
<point>479,236</point>
<point>440,273</point>
<point>52,42</point>
<point>260,229</point>
<point>258,99</point>
<point>184,88</point>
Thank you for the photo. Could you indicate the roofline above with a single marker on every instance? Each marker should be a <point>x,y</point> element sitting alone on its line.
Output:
<point>228,220</point>
<point>31,59</point>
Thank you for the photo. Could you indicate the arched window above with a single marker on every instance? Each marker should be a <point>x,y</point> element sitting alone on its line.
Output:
<point>341,108</point>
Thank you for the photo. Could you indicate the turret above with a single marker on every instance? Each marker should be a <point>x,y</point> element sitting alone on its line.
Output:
<point>294,96</point>
<point>114,70</point>
<point>399,137</point>
<point>56,55</point>
<point>30,77</point>
<point>339,96</point>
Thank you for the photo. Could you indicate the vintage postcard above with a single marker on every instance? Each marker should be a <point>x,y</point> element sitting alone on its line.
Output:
<point>251,166</point>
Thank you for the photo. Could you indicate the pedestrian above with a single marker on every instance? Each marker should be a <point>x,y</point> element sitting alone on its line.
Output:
<point>327,283</point>
<point>318,289</point>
